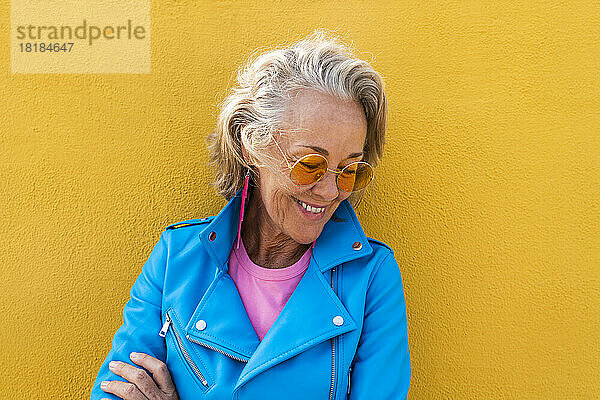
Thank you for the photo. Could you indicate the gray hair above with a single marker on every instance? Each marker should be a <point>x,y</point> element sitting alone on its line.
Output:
<point>254,109</point>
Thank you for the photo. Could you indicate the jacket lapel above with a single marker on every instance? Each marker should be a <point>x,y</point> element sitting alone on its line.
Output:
<point>306,319</point>
<point>228,327</point>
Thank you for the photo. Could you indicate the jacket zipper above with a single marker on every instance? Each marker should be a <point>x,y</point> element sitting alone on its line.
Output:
<point>349,376</point>
<point>333,345</point>
<point>163,333</point>
<point>215,349</point>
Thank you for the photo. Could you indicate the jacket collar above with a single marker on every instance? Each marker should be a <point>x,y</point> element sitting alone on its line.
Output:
<point>340,241</point>
<point>306,318</point>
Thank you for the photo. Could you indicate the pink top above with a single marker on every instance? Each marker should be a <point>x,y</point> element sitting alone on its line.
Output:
<point>264,291</point>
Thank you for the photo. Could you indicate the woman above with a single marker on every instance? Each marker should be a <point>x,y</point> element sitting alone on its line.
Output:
<point>281,295</point>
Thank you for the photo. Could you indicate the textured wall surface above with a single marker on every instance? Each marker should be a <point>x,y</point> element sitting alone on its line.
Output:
<point>488,192</point>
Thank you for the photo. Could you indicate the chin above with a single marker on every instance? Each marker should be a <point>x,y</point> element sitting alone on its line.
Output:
<point>307,237</point>
<point>306,241</point>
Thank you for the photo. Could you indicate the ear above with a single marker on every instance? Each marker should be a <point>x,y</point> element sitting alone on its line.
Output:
<point>246,155</point>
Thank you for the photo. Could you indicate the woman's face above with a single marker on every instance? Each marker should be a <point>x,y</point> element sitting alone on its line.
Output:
<point>321,124</point>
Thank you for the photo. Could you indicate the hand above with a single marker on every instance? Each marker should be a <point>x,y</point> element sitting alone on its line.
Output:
<point>142,387</point>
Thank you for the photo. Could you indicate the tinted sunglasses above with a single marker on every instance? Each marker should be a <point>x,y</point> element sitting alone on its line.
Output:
<point>311,168</point>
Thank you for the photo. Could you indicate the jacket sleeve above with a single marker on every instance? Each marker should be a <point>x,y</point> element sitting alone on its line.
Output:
<point>141,320</point>
<point>382,367</point>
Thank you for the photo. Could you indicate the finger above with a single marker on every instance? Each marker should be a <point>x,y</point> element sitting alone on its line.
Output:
<point>159,371</point>
<point>125,390</point>
<point>137,376</point>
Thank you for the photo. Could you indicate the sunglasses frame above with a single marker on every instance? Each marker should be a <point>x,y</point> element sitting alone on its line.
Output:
<point>291,167</point>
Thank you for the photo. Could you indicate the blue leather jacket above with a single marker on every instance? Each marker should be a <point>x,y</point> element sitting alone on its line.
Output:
<point>343,333</point>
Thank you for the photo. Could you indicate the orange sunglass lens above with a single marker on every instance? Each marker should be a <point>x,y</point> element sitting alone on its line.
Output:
<point>355,176</point>
<point>309,169</point>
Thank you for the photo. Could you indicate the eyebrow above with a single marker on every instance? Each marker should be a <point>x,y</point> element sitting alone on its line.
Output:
<point>326,153</point>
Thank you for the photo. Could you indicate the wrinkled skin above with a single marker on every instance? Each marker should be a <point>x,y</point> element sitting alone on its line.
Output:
<point>275,232</point>
<point>140,385</point>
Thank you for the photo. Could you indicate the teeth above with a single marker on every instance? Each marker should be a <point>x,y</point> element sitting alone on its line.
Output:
<point>311,209</point>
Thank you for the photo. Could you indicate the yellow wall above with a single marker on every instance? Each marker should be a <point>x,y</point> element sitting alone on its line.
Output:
<point>488,192</point>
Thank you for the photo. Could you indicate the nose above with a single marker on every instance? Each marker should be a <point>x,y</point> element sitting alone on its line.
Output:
<point>326,188</point>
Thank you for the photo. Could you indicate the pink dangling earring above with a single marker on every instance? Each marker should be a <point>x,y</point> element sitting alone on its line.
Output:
<point>244,194</point>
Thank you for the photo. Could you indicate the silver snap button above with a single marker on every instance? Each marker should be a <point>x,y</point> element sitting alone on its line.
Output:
<point>357,246</point>
<point>212,236</point>
<point>338,320</point>
<point>201,325</point>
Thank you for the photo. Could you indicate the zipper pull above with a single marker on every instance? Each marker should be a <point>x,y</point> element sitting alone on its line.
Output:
<point>349,374</point>
<point>165,327</point>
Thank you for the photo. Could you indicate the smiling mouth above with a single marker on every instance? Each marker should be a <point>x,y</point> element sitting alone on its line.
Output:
<point>309,208</point>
